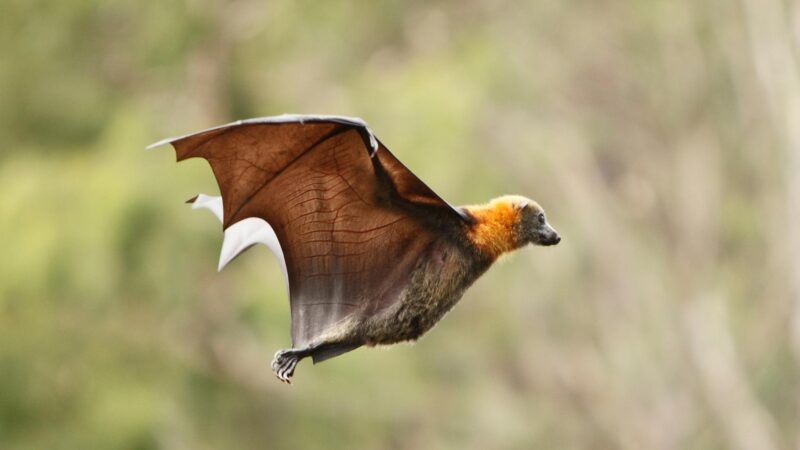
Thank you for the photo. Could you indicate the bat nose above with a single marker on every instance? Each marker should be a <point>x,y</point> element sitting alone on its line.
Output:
<point>551,238</point>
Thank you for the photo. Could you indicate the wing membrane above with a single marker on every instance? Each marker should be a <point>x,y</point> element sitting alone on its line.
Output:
<point>351,219</point>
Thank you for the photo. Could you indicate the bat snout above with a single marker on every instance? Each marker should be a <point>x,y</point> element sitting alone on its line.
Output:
<point>552,240</point>
<point>546,236</point>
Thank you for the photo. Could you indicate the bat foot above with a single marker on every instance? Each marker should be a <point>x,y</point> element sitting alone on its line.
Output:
<point>284,363</point>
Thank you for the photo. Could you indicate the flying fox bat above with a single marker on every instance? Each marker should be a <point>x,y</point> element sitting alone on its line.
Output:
<point>370,254</point>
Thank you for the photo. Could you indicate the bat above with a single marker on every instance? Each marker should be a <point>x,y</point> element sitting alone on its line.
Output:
<point>369,253</point>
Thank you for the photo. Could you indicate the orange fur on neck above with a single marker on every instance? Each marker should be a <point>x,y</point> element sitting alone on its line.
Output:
<point>495,231</point>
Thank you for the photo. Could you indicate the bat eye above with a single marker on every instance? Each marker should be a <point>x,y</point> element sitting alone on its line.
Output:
<point>541,218</point>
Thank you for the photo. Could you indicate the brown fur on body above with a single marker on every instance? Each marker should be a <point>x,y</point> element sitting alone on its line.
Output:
<point>449,267</point>
<point>437,284</point>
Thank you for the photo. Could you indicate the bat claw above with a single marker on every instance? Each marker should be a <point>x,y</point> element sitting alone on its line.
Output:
<point>284,363</point>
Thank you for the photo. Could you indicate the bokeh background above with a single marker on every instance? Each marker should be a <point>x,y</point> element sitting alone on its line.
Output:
<point>662,137</point>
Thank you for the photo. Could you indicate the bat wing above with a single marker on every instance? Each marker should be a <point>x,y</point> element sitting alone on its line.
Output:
<point>350,220</point>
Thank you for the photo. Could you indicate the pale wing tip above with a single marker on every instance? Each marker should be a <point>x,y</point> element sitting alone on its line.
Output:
<point>209,202</point>
<point>159,143</point>
<point>228,254</point>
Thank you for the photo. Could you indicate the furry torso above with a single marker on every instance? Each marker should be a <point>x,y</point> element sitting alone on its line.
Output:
<point>436,285</point>
<point>445,270</point>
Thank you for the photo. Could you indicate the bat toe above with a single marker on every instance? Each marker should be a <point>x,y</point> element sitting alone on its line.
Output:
<point>284,363</point>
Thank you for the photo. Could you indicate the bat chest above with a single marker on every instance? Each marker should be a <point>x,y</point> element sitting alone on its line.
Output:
<point>435,287</point>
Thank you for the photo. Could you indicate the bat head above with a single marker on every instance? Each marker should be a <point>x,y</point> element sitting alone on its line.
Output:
<point>533,226</point>
<point>508,223</point>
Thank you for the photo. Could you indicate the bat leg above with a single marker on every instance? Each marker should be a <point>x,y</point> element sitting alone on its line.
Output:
<point>285,361</point>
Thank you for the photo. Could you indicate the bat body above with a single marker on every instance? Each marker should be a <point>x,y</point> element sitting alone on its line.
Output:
<point>371,255</point>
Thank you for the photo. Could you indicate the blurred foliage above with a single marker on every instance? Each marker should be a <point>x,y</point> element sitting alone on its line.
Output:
<point>661,136</point>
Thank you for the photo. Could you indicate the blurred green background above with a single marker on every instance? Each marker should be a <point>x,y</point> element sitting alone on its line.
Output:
<point>662,137</point>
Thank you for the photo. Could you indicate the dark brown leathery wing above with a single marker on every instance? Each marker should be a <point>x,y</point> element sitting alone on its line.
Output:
<point>351,226</point>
